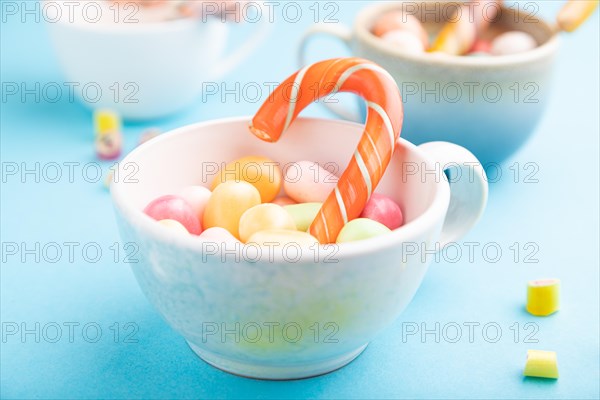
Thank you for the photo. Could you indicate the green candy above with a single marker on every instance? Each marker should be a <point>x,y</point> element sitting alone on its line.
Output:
<point>360,229</point>
<point>303,214</point>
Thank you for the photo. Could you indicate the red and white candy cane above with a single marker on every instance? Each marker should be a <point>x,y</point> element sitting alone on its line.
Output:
<point>375,148</point>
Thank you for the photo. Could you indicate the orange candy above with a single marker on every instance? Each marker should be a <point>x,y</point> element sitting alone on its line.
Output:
<point>261,172</point>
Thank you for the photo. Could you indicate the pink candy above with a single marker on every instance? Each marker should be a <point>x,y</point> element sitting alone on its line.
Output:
<point>384,210</point>
<point>175,208</point>
<point>307,182</point>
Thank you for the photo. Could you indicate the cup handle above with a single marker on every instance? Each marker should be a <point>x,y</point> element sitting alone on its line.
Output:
<point>468,188</point>
<point>342,33</point>
<point>245,49</point>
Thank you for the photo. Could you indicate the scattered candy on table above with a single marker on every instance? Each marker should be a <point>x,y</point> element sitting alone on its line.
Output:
<point>541,364</point>
<point>176,208</point>
<point>307,181</point>
<point>264,174</point>
<point>108,138</point>
<point>543,296</point>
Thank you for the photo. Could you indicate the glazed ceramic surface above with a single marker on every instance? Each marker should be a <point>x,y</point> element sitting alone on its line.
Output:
<point>490,105</point>
<point>288,313</point>
<point>144,70</point>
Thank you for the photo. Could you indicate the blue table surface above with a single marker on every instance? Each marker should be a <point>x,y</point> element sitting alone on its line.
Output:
<point>553,221</point>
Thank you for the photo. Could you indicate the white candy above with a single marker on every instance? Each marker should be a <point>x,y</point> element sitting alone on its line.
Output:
<point>512,42</point>
<point>197,197</point>
<point>404,41</point>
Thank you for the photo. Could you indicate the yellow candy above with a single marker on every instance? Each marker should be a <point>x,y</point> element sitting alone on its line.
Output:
<point>263,217</point>
<point>264,174</point>
<point>280,237</point>
<point>541,364</point>
<point>106,121</point>
<point>574,13</point>
<point>227,203</point>
<point>303,214</point>
<point>457,36</point>
<point>173,225</point>
<point>543,296</point>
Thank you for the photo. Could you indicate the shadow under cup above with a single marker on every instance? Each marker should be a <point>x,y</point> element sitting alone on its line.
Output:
<point>489,104</point>
<point>284,314</point>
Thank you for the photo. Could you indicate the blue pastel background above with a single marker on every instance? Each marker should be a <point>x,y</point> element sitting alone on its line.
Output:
<point>558,216</point>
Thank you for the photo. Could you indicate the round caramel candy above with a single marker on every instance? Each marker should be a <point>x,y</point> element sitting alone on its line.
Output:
<point>227,203</point>
<point>262,173</point>
<point>263,217</point>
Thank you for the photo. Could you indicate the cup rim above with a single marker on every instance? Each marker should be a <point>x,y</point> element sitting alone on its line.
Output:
<point>130,28</point>
<point>415,228</point>
<point>362,32</point>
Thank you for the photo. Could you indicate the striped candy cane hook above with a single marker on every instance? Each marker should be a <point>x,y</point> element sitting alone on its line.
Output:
<point>375,148</point>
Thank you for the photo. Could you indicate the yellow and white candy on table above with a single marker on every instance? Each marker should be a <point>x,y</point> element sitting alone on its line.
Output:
<point>541,364</point>
<point>543,297</point>
<point>108,136</point>
<point>243,205</point>
<point>467,33</point>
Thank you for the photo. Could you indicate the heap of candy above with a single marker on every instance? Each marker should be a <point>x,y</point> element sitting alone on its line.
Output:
<point>244,205</point>
<point>239,203</point>
<point>467,33</point>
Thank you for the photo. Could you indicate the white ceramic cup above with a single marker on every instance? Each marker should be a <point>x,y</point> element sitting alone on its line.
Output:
<point>316,312</point>
<point>490,105</point>
<point>144,70</point>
